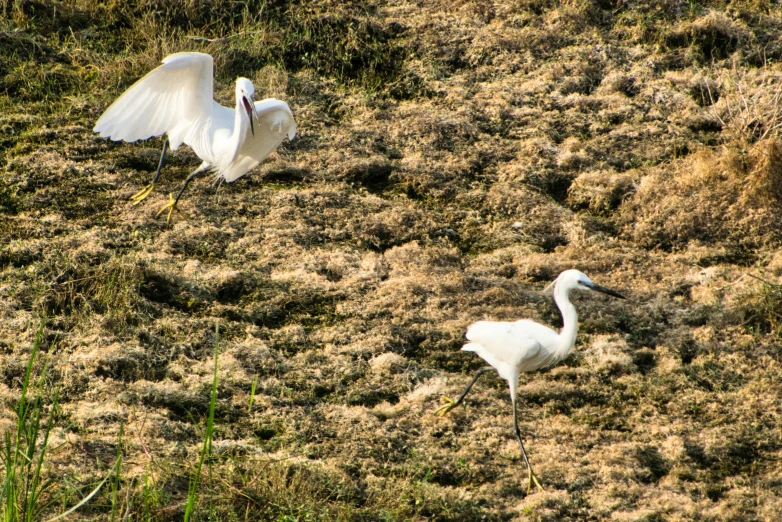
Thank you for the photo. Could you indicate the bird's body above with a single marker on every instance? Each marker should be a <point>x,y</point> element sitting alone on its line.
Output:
<point>231,158</point>
<point>511,348</point>
<point>525,346</point>
<point>177,99</point>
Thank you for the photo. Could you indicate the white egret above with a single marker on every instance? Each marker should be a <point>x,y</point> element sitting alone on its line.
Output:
<point>177,99</point>
<point>525,346</point>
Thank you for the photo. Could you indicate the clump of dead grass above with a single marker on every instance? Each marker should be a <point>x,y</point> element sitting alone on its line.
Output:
<point>724,195</point>
<point>602,191</point>
<point>714,36</point>
<point>747,104</point>
<point>757,308</point>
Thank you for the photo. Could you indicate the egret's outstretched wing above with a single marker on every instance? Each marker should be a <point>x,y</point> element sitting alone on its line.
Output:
<point>275,122</point>
<point>501,343</point>
<point>173,99</point>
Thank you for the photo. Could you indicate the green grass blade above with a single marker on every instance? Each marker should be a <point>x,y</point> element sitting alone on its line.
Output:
<point>84,500</point>
<point>252,393</point>
<point>35,490</point>
<point>206,449</point>
<point>13,493</point>
<point>117,469</point>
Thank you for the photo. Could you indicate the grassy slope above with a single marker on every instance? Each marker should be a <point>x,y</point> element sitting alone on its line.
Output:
<point>453,157</point>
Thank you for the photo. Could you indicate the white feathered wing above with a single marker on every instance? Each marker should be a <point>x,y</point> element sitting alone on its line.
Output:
<point>177,98</point>
<point>509,347</point>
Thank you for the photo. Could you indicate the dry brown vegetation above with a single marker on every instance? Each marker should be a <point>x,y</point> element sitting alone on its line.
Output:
<point>453,157</point>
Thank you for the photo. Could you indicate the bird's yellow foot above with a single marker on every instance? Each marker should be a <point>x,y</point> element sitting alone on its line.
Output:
<point>533,478</point>
<point>139,196</point>
<point>448,405</point>
<point>171,206</point>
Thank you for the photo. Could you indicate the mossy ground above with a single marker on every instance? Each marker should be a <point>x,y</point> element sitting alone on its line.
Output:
<point>452,158</point>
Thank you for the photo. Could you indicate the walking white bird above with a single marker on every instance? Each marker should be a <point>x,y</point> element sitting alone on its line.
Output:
<point>525,346</point>
<point>177,99</point>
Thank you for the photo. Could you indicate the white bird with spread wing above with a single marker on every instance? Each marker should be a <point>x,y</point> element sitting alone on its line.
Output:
<point>525,346</point>
<point>177,99</point>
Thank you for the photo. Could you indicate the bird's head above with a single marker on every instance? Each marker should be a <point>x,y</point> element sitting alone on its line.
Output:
<point>574,279</point>
<point>245,90</point>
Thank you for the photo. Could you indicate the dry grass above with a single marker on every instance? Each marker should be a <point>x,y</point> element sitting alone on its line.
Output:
<point>729,196</point>
<point>452,159</point>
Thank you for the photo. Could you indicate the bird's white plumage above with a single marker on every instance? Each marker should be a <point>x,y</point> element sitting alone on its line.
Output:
<point>177,99</point>
<point>523,346</point>
<point>503,345</point>
<point>275,123</point>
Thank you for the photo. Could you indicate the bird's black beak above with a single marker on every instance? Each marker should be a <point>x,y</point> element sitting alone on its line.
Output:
<point>250,108</point>
<point>602,289</point>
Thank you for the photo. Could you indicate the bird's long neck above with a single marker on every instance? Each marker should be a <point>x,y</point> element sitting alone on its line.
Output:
<point>567,336</point>
<point>241,125</point>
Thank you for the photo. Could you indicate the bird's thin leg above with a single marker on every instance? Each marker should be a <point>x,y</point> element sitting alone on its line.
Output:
<point>160,163</point>
<point>140,195</point>
<point>450,403</point>
<point>517,432</point>
<point>171,206</point>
